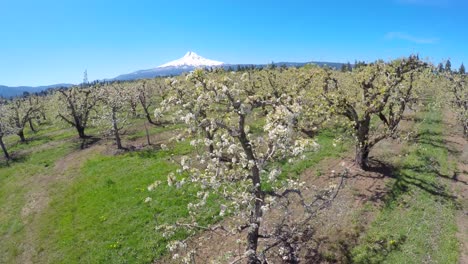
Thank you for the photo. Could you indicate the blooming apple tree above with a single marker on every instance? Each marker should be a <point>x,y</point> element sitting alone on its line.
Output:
<point>379,91</point>
<point>458,94</point>
<point>147,93</point>
<point>114,109</point>
<point>20,112</point>
<point>5,127</point>
<point>75,105</point>
<point>237,164</point>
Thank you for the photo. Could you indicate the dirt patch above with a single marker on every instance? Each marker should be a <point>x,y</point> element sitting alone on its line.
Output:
<point>20,154</point>
<point>155,139</point>
<point>338,228</point>
<point>458,149</point>
<point>75,159</point>
<point>138,144</point>
<point>332,233</point>
<point>65,169</point>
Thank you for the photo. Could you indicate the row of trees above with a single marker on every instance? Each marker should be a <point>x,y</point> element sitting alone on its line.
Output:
<point>108,105</point>
<point>358,95</point>
<point>448,68</point>
<point>220,108</point>
<point>457,97</point>
<point>15,115</point>
<point>380,89</point>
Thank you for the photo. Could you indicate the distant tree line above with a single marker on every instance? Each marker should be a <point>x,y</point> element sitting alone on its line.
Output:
<point>448,68</point>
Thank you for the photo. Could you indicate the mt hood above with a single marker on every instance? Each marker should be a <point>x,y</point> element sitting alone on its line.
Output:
<point>185,64</point>
<point>193,60</point>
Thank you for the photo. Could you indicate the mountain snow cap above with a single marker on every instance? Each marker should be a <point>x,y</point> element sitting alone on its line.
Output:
<point>192,59</point>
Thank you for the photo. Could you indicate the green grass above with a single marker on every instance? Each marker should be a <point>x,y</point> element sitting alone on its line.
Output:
<point>99,216</point>
<point>327,149</point>
<point>102,217</point>
<point>417,224</point>
<point>45,134</point>
<point>152,130</point>
<point>14,184</point>
<point>325,139</point>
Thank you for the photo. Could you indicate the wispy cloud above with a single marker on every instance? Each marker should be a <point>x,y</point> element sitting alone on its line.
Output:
<point>410,38</point>
<point>424,2</point>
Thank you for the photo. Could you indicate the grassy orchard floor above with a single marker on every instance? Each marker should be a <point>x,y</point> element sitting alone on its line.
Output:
<point>102,216</point>
<point>417,224</point>
<point>34,168</point>
<point>409,219</point>
<point>95,210</point>
<point>13,189</point>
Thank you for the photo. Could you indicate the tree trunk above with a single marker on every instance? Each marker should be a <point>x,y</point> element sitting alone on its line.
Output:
<point>209,136</point>
<point>21,135</point>
<point>362,155</point>
<point>148,117</point>
<point>80,130</point>
<point>465,130</point>
<point>255,216</point>
<point>254,227</point>
<point>5,152</point>
<point>31,126</point>
<point>256,212</point>
<point>115,128</point>
<point>362,146</point>
<point>118,141</point>
<point>147,135</point>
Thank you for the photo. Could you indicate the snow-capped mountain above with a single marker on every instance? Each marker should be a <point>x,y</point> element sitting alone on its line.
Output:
<point>189,62</point>
<point>191,59</point>
<point>185,64</point>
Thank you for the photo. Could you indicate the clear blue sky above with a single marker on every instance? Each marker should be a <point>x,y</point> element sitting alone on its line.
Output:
<point>54,41</point>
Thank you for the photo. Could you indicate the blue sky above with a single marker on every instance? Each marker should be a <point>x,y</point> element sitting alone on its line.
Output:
<point>51,41</point>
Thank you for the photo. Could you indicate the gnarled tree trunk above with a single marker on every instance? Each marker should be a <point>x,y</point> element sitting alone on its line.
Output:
<point>115,129</point>
<point>31,126</point>
<point>256,212</point>
<point>148,117</point>
<point>21,135</point>
<point>362,156</point>
<point>81,132</point>
<point>465,130</point>
<point>362,145</point>
<point>5,152</point>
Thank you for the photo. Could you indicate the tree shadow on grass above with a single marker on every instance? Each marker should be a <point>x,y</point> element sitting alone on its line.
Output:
<point>405,179</point>
<point>15,158</point>
<point>441,144</point>
<point>383,168</point>
<point>149,152</point>
<point>88,141</point>
<point>417,119</point>
<point>433,166</point>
